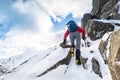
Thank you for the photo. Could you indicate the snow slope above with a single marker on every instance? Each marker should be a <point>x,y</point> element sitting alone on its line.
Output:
<point>29,66</point>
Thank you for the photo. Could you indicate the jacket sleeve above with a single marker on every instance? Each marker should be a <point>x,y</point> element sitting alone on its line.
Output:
<point>82,31</point>
<point>66,34</point>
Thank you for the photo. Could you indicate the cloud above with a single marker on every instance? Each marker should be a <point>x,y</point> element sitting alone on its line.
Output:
<point>64,7</point>
<point>33,27</point>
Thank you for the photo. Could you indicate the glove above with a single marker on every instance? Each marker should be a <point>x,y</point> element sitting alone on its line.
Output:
<point>84,38</point>
<point>64,41</point>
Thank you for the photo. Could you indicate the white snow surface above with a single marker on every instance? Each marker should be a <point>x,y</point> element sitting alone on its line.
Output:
<point>30,64</point>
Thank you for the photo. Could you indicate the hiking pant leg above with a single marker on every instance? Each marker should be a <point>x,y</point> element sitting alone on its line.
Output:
<point>72,38</point>
<point>78,40</point>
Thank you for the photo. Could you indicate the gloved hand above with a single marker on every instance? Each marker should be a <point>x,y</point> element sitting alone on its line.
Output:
<point>64,41</point>
<point>84,38</point>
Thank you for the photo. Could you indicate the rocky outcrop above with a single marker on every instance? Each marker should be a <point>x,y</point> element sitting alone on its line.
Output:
<point>110,10</point>
<point>85,19</point>
<point>97,7</point>
<point>95,13</point>
<point>96,29</point>
<point>91,22</point>
<point>103,47</point>
<point>105,9</point>
<point>102,9</point>
<point>114,57</point>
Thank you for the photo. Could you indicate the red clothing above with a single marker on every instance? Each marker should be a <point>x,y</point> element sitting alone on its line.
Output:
<point>79,30</point>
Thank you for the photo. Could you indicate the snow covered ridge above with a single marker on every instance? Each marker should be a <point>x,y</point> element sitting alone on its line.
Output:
<point>36,65</point>
<point>51,64</point>
<point>7,64</point>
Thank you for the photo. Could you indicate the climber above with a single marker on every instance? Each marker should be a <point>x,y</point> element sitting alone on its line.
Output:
<point>74,32</point>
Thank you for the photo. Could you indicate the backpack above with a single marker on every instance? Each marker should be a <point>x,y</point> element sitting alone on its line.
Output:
<point>72,26</point>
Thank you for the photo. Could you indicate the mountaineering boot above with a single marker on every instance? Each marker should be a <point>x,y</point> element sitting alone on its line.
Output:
<point>72,52</point>
<point>78,62</point>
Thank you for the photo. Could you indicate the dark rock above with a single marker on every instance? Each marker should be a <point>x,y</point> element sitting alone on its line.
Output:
<point>97,7</point>
<point>91,51</point>
<point>96,29</point>
<point>96,67</point>
<point>118,24</point>
<point>85,19</point>
<point>110,10</point>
